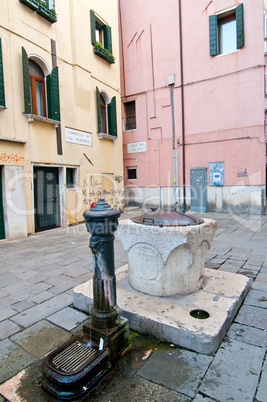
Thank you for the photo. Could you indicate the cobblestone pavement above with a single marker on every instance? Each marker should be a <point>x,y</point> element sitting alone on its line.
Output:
<point>37,277</point>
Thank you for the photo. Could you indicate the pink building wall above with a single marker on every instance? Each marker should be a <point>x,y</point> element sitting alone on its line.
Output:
<point>223,101</point>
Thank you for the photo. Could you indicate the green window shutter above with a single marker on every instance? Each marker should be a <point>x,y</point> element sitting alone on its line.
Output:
<point>213,29</point>
<point>52,92</point>
<point>107,38</point>
<point>2,91</point>
<point>112,117</point>
<point>98,108</point>
<point>240,37</point>
<point>92,18</point>
<point>26,82</point>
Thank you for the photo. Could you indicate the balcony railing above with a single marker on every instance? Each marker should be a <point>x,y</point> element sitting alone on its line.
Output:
<point>104,54</point>
<point>49,15</point>
<point>41,8</point>
<point>33,4</point>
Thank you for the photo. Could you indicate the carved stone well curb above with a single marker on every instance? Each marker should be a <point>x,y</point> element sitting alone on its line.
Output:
<point>166,261</point>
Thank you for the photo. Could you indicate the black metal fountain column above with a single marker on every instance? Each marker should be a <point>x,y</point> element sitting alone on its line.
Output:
<point>102,222</point>
<point>74,368</point>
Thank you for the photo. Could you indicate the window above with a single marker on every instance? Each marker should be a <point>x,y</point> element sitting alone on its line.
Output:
<point>131,173</point>
<point>226,31</point>
<point>37,89</point>
<point>2,91</point>
<point>50,4</point>
<point>130,116</point>
<point>101,38</point>
<point>70,177</point>
<point>103,113</point>
<point>41,93</point>
<point>99,34</point>
<point>106,115</point>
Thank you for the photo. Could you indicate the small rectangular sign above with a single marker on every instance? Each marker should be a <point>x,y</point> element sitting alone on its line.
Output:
<point>134,147</point>
<point>78,137</point>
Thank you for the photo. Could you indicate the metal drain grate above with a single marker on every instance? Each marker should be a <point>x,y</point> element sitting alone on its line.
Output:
<point>74,356</point>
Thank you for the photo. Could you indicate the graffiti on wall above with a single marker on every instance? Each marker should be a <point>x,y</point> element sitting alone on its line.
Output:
<point>11,158</point>
<point>14,158</point>
<point>98,185</point>
<point>242,172</point>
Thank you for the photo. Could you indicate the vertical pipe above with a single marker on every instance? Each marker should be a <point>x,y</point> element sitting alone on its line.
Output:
<point>123,84</point>
<point>160,202</point>
<point>178,165</point>
<point>182,102</point>
<point>58,129</point>
<point>153,73</point>
<point>173,149</point>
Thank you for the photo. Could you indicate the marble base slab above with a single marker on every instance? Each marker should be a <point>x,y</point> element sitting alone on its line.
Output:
<point>169,318</point>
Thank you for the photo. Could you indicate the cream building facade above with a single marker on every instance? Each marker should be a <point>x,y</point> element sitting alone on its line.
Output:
<point>60,113</point>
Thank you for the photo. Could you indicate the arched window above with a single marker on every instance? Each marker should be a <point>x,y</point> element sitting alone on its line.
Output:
<point>37,89</point>
<point>103,112</point>
<point>106,114</point>
<point>40,87</point>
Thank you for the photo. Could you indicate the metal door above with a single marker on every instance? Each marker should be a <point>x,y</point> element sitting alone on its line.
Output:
<point>198,187</point>
<point>46,198</point>
<point>2,223</point>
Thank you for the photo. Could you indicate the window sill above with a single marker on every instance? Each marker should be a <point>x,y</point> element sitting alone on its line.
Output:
<point>32,117</point>
<point>2,108</point>
<point>107,136</point>
<point>129,131</point>
<point>99,51</point>
<point>227,54</point>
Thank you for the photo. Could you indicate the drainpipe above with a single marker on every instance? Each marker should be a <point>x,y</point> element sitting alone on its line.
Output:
<point>182,102</point>
<point>58,129</point>
<point>171,80</point>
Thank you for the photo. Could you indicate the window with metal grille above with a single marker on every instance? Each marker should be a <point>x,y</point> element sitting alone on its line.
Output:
<point>131,173</point>
<point>70,177</point>
<point>130,115</point>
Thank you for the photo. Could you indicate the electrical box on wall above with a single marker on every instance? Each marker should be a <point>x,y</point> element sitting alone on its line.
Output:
<point>216,173</point>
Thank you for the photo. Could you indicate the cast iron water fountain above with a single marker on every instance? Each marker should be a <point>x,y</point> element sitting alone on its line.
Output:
<point>74,368</point>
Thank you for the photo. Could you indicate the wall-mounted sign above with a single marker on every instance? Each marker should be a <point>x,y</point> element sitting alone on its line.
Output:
<point>134,147</point>
<point>78,137</point>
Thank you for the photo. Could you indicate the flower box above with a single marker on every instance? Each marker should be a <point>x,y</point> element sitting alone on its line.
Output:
<point>46,13</point>
<point>104,54</point>
<point>33,4</point>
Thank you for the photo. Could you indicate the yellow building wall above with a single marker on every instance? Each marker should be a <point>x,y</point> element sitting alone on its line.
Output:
<point>80,72</point>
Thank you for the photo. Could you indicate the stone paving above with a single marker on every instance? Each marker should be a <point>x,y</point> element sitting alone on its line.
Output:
<point>38,275</point>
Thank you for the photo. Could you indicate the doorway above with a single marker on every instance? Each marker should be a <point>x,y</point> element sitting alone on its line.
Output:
<point>198,188</point>
<point>46,198</point>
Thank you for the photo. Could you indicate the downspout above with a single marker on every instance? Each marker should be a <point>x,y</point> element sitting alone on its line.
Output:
<point>182,102</point>
<point>123,89</point>
<point>173,150</point>
<point>58,129</point>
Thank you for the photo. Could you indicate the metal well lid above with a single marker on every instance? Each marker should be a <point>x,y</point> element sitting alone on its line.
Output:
<point>167,218</point>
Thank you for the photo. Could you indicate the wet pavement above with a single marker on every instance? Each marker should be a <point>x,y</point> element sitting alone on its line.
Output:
<point>38,275</point>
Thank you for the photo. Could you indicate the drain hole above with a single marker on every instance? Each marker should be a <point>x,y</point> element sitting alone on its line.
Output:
<point>199,314</point>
